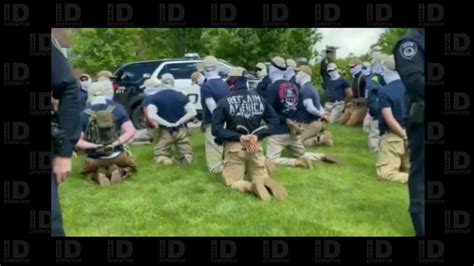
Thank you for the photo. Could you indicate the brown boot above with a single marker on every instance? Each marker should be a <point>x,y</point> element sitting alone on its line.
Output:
<point>331,159</point>
<point>116,177</point>
<point>102,180</point>
<point>275,188</point>
<point>304,162</point>
<point>258,187</point>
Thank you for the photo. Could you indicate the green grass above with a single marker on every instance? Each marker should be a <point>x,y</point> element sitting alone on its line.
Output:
<point>331,200</point>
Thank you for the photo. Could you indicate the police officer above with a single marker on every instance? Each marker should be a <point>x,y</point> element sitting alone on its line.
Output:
<point>237,123</point>
<point>330,57</point>
<point>355,109</point>
<point>410,60</point>
<point>392,163</point>
<point>336,89</point>
<point>312,113</point>
<point>171,110</point>
<point>106,127</point>
<point>65,129</point>
<point>212,91</point>
<point>284,97</point>
<point>375,82</point>
<point>85,81</point>
<point>265,81</point>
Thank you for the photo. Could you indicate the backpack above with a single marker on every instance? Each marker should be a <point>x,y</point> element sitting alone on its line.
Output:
<point>101,126</point>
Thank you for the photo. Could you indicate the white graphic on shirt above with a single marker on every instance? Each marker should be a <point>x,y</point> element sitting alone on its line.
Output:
<point>246,106</point>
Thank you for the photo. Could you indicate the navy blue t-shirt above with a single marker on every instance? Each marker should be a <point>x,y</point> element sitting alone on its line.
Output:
<point>308,91</point>
<point>392,96</point>
<point>284,97</point>
<point>120,117</point>
<point>335,89</point>
<point>170,104</point>
<point>374,83</point>
<point>215,89</point>
<point>83,97</point>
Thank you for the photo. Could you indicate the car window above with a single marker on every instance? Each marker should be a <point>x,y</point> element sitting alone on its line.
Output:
<point>134,72</point>
<point>179,70</point>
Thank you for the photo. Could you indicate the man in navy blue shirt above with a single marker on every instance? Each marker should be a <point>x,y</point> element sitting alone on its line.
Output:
<point>237,123</point>
<point>336,89</point>
<point>105,128</point>
<point>393,163</point>
<point>375,82</point>
<point>312,113</point>
<point>171,110</point>
<point>212,90</point>
<point>284,97</point>
<point>355,109</point>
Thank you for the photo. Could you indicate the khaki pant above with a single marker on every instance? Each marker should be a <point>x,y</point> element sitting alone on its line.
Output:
<point>154,134</point>
<point>167,141</point>
<point>277,143</point>
<point>314,134</point>
<point>374,135</point>
<point>237,162</point>
<point>393,163</point>
<point>213,153</point>
<point>353,115</point>
<point>123,162</point>
<point>335,109</point>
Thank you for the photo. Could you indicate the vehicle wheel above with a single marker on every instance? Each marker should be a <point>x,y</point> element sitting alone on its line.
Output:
<point>137,118</point>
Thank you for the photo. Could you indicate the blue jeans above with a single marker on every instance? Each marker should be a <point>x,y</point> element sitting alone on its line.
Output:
<point>56,220</point>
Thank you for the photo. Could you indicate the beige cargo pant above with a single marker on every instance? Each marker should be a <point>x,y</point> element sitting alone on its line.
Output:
<point>237,162</point>
<point>123,162</point>
<point>353,115</point>
<point>314,134</point>
<point>213,153</point>
<point>393,163</point>
<point>335,109</point>
<point>373,135</point>
<point>166,141</point>
<point>277,143</point>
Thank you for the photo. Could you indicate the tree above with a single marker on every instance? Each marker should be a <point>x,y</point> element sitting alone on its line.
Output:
<point>388,39</point>
<point>97,49</point>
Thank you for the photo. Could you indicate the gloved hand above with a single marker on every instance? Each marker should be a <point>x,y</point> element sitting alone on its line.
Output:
<point>105,150</point>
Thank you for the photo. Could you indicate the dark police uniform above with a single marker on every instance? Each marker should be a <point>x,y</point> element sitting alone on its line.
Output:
<point>65,89</point>
<point>170,104</point>
<point>410,62</point>
<point>241,113</point>
<point>392,163</point>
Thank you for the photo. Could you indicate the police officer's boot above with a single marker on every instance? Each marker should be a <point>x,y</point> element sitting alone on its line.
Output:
<point>304,162</point>
<point>275,188</point>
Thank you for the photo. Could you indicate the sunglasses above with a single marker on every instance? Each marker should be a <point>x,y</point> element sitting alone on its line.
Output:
<point>84,79</point>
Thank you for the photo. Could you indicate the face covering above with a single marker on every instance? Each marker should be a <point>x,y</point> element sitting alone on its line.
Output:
<point>99,99</point>
<point>151,90</point>
<point>261,74</point>
<point>85,84</point>
<point>302,78</point>
<point>211,73</point>
<point>366,71</point>
<point>200,80</point>
<point>390,75</point>
<point>334,74</point>
<point>355,70</point>
<point>290,72</point>
<point>169,84</point>
<point>377,68</point>
<point>276,74</point>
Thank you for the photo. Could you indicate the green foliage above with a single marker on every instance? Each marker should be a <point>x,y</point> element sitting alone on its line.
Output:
<point>388,39</point>
<point>331,200</point>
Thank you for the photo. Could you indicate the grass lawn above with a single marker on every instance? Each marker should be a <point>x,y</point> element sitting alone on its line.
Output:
<point>331,200</point>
